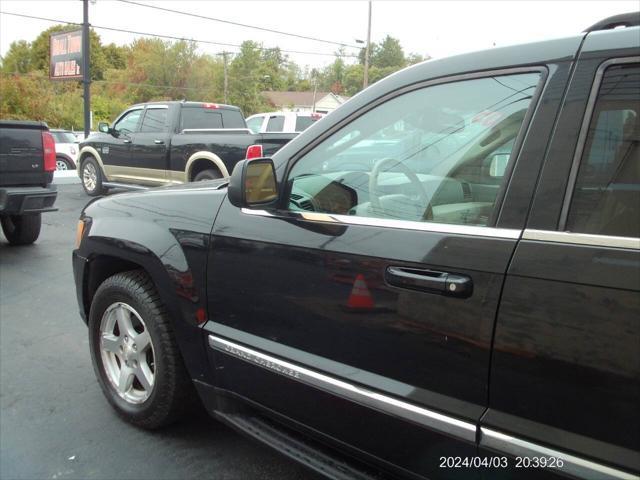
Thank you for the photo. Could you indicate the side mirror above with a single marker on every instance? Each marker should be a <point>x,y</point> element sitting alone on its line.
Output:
<point>498,165</point>
<point>104,127</point>
<point>253,184</point>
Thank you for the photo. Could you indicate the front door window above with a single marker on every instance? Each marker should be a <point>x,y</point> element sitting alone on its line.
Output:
<point>436,154</point>
<point>129,123</point>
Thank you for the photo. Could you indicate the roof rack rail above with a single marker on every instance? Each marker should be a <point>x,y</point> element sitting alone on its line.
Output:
<point>631,19</point>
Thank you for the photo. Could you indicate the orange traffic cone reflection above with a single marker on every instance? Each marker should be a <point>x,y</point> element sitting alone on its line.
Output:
<point>360,297</point>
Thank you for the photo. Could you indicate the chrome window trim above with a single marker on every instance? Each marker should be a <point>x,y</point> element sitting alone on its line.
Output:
<point>215,130</point>
<point>156,107</point>
<point>368,398</point>
<point>472,230</point>
<point>584,131</point>
<point>586,239</point>
<point>572,465</point>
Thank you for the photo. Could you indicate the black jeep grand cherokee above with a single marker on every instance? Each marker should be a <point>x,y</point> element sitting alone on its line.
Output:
<point>440,279</point>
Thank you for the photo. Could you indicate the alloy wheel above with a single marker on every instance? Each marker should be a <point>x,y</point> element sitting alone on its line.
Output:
<point>127,353</point>
<point>89,176</point>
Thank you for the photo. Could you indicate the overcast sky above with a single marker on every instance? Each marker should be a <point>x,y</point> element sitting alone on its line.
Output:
<point>436,28</point>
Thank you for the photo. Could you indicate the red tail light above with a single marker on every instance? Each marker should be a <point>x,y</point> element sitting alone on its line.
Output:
<point>49,147</point>
<point>211,106</point>
<point>254,151</point>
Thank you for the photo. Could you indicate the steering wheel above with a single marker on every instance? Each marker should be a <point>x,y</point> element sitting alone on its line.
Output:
<point>374,191</point>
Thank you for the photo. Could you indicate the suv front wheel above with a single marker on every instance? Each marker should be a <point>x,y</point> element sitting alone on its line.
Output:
<point>134,352</point>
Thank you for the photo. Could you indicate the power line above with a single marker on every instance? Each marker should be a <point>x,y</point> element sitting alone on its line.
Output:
<point>115,82</point>
<point>264,29</point>
<point>171,37</point>
<point>118,82</point>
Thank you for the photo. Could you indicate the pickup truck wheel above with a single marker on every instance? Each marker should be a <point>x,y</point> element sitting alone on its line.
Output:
<point>134,352</point>
<point>91,177</point>
<point>21,229</point>
<point>63,164</point>
<point>210,174</point>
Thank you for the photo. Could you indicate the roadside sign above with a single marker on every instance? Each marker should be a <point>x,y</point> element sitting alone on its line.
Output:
<point>65,58</point>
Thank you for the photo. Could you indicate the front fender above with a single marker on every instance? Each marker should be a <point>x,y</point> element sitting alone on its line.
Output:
<point>165,232</point>
<point>85,151</point>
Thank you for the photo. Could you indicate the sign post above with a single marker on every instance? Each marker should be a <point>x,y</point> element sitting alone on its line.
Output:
<point>69,60</point>
<point>86,78</point>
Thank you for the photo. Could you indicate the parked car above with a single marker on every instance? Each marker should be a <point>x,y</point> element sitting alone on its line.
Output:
<point>468,308</point>
<point>288,122</point>
<point>27,162</point>
<point>165,143</point>
<point>66,149</point>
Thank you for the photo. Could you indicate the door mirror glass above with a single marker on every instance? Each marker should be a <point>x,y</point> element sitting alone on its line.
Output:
<point>103,127</point>
<point>260,182</point>
<point>253,183</point>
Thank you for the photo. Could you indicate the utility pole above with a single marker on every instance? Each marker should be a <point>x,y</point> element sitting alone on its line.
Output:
<point>315,90</point>
<point>226,77</point>
<point>366,52</point>
<point>86,74</point>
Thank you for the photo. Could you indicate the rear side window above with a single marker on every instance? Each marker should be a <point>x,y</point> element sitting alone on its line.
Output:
<point>302,123</point>
<point>155,120</point>
<point>275,124</point>
<point>233,119</point>
<point>606,197</point>
<point>199,118</point>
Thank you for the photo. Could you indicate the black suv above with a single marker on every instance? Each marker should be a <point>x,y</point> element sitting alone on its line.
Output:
<point>441,279</point>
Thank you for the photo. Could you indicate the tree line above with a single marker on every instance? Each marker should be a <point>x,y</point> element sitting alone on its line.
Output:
<point>151,69</point>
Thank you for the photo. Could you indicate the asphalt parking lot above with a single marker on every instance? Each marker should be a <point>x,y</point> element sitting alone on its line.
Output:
<point>54,420</point>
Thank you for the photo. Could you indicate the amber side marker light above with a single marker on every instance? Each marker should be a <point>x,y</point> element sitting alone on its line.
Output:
<point>79,232</point>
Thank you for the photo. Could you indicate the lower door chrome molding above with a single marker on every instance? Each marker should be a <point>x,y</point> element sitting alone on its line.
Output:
<point>571,465</point>
<point>433,420</point>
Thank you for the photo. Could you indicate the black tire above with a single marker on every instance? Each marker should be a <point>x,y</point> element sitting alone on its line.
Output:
<point>63,164</point>
<point>210,174</point>
<point>21,229</point>
<point>172,394</point>
<point>91,177</point>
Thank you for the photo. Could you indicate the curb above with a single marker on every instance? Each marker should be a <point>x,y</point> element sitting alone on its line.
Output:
<point>65,177</point>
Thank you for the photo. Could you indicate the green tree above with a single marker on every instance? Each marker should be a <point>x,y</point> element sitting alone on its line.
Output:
<point>388,54</point>
<point>115,56</point>
<point>414,58</point>
<point>353,78</point>
<point>18,58</point>
<point>245,79</point>
<point>273,69</point>
<point>157,69</point>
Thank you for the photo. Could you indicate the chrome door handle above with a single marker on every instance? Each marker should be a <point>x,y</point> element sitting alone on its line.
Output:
<point>159,142</point>
<point>444,283</point>
<point>125,140</point>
